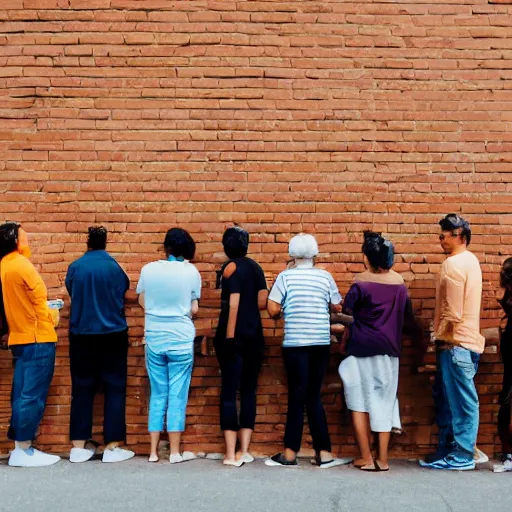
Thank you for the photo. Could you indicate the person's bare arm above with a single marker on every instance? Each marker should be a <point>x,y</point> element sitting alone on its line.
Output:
<point>342,318</point>
<point>141,300</point>
<point>194,308</point>
<point>234,303</point>
<point>335,308</point>
<point>274,309</point>
<point>262,299</point>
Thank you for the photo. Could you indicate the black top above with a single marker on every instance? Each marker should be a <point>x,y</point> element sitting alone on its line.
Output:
<point>506,337</point>
<point>247,280</point>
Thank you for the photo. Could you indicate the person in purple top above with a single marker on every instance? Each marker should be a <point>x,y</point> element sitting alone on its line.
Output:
<point>378,301</point>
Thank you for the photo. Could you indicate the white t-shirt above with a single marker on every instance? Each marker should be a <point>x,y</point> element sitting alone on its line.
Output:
<point>305,294</point>
<point>169,288</point>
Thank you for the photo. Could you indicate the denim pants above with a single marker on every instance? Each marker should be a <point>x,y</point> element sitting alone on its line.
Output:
<point>98,361</point>
<point>33,371</point>
<point>456,402</point>
<point>169,377</point>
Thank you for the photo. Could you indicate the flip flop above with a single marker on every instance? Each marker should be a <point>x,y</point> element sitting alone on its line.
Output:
<point>375,469</point>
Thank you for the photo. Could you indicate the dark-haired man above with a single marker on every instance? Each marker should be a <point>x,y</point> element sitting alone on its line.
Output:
<point>98,348</point>
<point>32,340</point>
<point>459,345</point>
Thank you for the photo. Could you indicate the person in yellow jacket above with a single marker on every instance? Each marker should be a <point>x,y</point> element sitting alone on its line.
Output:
<point>32,340</point>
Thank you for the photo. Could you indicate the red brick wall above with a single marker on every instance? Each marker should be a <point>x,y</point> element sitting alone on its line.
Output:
<point>327,117</point>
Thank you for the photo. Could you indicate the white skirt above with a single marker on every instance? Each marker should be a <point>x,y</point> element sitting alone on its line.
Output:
<point>370,385</point>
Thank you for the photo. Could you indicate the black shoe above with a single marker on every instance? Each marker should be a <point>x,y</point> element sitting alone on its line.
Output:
<point>279,460</point>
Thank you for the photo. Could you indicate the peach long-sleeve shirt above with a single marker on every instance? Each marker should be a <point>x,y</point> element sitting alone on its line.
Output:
<point>458,302</point>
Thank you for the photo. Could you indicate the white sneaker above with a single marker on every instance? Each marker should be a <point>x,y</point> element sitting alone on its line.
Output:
<point>336,462</point>
<point>480,457</point>
<point>503,468</point>
<point>117,455</point>
<point>81,454</point>
<point>176,458</point>
<point>31,458</point>
<point>247,458</point>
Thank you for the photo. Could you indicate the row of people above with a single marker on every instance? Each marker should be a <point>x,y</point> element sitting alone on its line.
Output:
<point>370,321</point>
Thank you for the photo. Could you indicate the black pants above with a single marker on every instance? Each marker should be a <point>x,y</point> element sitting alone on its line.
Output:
<point>239,370</point>
<point>306,368</point>
<point>98,360</point>
<point>505,412</point>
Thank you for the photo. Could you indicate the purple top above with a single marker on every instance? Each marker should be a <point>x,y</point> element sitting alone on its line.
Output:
<point>378,309</point>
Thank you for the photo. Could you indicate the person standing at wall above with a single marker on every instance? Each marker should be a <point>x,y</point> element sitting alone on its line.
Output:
<point>239,343</point>
<point>380,305</point>
<point>459,345</point>
<point>505,412</point>
<point>98,348</point>
<point>169,291</point>
<point>305,295</point>
<point>32,340</point>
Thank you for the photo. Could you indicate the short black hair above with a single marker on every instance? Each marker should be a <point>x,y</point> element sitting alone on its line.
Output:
<point>452,222</point>
<point>179,243</point>
<point>97,238</point>
<point>506,275</point>
<point>378,250</point>
<point>9,238</point>
<point>236,242</point>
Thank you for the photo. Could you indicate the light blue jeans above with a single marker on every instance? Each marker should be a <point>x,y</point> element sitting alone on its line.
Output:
<point>457,402</point>
<point>169,376</point>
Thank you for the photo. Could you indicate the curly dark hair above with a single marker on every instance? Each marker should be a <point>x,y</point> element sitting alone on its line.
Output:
<point>97,238</point>
<point>506,275</point>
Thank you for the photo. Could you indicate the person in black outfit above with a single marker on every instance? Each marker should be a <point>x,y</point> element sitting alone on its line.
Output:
<point>239,342</point>
<point>505,412</point>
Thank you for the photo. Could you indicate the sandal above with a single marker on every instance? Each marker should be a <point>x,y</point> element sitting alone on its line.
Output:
<point>375,469</point>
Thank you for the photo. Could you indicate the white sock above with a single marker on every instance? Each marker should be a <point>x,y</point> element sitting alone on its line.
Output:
<point>22,445</point>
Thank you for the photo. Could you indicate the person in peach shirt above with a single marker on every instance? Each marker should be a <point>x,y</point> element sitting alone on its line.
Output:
<point>32,340</point>
<point>459,345</point>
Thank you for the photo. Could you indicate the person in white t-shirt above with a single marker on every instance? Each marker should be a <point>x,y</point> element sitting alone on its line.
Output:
<point>169,291</point>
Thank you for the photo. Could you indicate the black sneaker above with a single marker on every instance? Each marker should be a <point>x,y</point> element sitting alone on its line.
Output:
<point>279,460</point>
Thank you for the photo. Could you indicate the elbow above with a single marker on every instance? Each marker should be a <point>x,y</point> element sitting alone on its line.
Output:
<point>273,311</point>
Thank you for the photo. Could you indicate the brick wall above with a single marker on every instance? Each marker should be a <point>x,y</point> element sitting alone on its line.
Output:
<point>321,116</point>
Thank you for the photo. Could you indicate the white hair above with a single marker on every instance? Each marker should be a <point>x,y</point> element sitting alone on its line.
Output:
<point>303,246</point>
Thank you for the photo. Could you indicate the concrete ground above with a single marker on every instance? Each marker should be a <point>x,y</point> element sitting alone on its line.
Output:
<point>206,485</point>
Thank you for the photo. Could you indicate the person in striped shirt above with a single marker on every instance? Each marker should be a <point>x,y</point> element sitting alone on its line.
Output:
<point>305,295</point>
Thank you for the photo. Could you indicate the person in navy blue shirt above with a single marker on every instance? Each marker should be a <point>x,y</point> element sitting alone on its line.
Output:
<point>98,348</point>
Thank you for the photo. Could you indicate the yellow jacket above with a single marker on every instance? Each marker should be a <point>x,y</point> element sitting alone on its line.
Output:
<point>24,294</point>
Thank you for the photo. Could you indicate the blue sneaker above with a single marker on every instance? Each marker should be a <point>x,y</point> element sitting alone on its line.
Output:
<point>450,463</point>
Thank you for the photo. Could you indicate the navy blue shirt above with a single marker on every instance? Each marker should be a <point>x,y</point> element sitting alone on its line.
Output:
<point>97,285</point>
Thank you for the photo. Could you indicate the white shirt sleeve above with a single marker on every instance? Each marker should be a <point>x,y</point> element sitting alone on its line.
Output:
<point>278,292</point>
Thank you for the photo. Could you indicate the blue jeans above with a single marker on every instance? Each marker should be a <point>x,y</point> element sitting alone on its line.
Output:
<point>33,372</point>
<point>456,402</point>
<point>169,376</point>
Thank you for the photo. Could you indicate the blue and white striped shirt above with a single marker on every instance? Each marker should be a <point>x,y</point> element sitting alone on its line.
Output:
<point>305,294</point>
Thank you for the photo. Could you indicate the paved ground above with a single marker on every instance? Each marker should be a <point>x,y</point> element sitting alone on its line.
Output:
<point>205,485</point>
